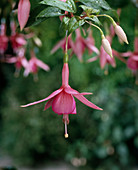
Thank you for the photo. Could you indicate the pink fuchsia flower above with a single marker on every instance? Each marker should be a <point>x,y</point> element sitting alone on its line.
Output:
<point>17,40</point>
<point>81,44</point>
<point>3,38</point>
<point>62,100</point>
<point>105,59</point>
<point>19,61</point>
<point>132,62</point>
<point>23,12</point>
<point>33,65</point>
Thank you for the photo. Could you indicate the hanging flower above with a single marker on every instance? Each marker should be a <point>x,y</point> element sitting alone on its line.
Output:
<point>62,100</point>
<point>132,62</point>
<point>81,44</point>
<point>33,65</point>
<point>3,38</point>
<point>19,61</point>
<point>17,40</point>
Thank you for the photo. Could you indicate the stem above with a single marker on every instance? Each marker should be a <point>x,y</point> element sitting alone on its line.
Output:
<point>66,58</point>
<point>102,34</point>
<point>104,15</point>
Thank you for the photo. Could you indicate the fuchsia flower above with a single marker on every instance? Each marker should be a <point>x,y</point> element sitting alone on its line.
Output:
<point>17,40</point>
<point>105,58</point>
<point>3,38</point>
<point>78,47</point>
<point>33,65</point>
<point>23,12</point>
<point>20,61</point>
<point>132,62</point>
<point>81,44</point>
<point>62,100</point>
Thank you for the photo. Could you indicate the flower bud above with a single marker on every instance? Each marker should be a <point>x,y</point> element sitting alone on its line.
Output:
<point>120,33</point>
<point>106,46</point>
<point>23,12</point>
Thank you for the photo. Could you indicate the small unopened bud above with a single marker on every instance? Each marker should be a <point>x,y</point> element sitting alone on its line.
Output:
<point>120,33</point>
<point>106,46</point>
<point>37,41</point>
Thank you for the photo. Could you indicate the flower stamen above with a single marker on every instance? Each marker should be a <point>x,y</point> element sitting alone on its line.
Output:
<point>66,122</point>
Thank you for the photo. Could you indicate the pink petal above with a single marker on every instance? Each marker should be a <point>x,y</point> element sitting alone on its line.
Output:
<point>21,40</point>
<point>86,93</point>
<point>127,54</point>
<point>135,57</point>
<point>23,12</point>
<point>49,97</point>
<point>63,103</point>
<point>136,44</point>
<point>93,48</point>
<point>132,64</point>
<point>92,59</point>
<point>103,60</point>
<point>69,90</point>
<point>58,45</point>
<point>86,102</point>
<point>11,60</point>
<point>74,111</point>
<point>48,104</point>
<point>42,65</point>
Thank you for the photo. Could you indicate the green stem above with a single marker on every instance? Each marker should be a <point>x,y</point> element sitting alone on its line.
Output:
<point>111,19</point>
<point>102,34</point>
<point>66,57</point>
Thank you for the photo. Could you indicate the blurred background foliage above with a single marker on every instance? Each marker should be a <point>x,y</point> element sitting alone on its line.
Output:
<point>97,140</point>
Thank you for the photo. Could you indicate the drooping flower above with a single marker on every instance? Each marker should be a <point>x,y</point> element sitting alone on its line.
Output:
<point>62,100</point>
<point>132,62</point>
<point>78,47</point>
<point>19,61</point>
<point>105,59</point>
<point>23,12</point>
<point>81,44</point>
<point>33,65</point>
<point>3,38</point>
<point>17,40</point>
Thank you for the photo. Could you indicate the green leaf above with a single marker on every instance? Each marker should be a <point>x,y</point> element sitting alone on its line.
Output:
<point>33,20</point>
<point>72,4</point>
<point>90,10</point>
<point>97,4</point>
<point>74,24</point>
<point>50,12</point>
<point>59,4</point>
<point>64,25</point>
<point>94,19</point>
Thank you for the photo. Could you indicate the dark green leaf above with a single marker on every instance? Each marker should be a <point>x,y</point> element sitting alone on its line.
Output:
<point>74,24</point>
<point>59,4</point>
<point>72,4</point>
<point>64,25</point>
<point>97,4</point>
<point>33,20</point>
<point>50,12</point>
<point>90,10</point>
<point>94,19</point>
